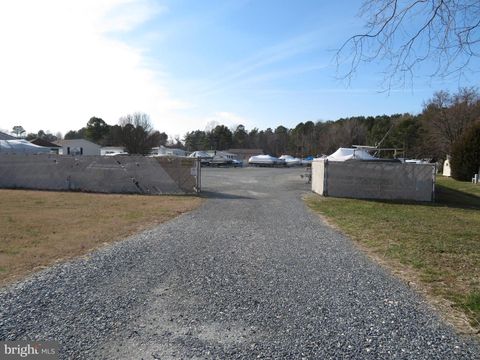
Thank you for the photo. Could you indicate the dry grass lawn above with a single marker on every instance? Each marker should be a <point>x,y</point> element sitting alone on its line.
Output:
<point>39,228</point>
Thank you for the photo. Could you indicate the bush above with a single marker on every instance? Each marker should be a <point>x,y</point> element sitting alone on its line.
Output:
<point>465,159</point>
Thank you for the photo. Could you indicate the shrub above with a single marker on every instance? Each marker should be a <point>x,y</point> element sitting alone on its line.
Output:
<point>465,159</point>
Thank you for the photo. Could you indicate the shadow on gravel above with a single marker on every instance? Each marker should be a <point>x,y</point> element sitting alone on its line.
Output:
<point>218,195</point>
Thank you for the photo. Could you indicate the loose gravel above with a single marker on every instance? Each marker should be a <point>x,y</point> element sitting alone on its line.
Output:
<point>250,274</point>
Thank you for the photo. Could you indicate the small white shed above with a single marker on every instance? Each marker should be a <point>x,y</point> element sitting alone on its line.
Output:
<point>447,170</point>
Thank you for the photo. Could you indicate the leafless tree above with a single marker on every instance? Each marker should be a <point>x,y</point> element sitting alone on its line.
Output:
<point>405,34</point>
<point>137,119</point>
<point>137,133</point>
<point>447,116</point>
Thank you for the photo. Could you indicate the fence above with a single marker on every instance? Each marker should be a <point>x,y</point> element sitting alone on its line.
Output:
<point>374,180</point>
<point>103,174</point>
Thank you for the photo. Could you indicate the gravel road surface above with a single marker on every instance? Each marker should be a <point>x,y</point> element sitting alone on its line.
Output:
<point>250,274</point>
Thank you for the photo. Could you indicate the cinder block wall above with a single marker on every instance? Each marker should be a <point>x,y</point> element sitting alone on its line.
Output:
<point>104,174</point>
<point>374,180</point>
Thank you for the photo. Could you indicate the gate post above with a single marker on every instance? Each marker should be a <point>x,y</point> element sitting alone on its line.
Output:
<point>198,176</point>
<point>325,178</point>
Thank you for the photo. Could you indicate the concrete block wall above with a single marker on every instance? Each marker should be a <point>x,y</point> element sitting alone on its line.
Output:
<point>103,174</point>
<point>374,180</point>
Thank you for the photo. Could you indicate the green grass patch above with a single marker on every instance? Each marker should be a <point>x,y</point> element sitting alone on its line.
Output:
<point>438,242</point>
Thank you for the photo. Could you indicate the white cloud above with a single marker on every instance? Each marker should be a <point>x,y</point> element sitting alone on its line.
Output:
<point>208,122</point>
<point>231,120</point>
<point>128,14</point>
<point>245,70</point>
<point>59,67</point>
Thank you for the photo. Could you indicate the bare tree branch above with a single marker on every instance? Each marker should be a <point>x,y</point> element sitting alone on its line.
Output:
<point>407,34</point>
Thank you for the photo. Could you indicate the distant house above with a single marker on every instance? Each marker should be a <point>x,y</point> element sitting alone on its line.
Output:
<point>4,136</point>
<point>245,154</point>
<point>78,147</point>
<point>55,149</point>
<point>167,151</point>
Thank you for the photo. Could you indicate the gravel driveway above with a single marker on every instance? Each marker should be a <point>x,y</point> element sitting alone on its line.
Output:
<point>251,274</point>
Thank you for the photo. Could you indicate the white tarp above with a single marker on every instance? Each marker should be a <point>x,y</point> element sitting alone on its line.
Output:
<point>290,160</point>
<point>265,160</point>
<point>344,154</point>
<point>21,147</point>
<point>200,154</point>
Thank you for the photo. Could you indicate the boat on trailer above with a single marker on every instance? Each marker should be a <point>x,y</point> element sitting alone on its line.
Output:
<point>290,160</point>
<point>265,160</point>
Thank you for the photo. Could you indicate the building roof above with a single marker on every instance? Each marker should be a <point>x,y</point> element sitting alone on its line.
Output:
<point>21,146</point>
<point>74,141</point>
<point>43,142</point>
<point>4,136</point>
<point>245,151</point>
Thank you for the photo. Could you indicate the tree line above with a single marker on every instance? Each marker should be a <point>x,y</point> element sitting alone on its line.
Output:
<point>449,124</point>
<point>430,134</point>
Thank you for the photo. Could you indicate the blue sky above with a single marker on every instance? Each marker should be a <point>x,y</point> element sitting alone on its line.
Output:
<point>188,64</point>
